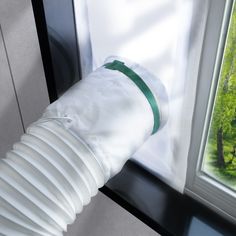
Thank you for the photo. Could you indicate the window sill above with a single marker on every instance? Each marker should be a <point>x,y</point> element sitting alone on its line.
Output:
<point>162,208</point>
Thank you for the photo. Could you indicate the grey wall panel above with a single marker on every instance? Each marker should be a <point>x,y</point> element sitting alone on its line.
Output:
<point>10,121</point>
<point>18,26</point>
<point>103,217</point>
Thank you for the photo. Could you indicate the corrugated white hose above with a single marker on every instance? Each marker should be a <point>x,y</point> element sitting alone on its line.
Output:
<point>82,140</point>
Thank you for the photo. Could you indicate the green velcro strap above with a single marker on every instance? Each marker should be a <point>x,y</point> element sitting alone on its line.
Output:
<point>120,66</point>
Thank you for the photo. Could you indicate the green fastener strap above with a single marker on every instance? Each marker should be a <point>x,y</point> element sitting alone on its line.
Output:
<point>120,66</point>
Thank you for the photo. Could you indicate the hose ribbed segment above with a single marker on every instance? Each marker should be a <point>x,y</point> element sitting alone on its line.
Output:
<point>46,180</point>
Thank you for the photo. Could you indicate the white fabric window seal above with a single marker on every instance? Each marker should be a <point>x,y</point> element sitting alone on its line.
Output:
<point>82,140</point>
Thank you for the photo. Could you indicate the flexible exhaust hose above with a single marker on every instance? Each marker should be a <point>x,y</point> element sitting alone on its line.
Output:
<point>81,141</point>
<point>46,180</point>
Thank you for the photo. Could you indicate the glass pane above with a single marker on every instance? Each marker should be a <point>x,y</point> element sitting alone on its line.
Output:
<point>220,152</point>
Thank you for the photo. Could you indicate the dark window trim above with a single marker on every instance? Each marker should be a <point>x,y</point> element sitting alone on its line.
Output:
<point>162,208</point>
<point>41,27</point>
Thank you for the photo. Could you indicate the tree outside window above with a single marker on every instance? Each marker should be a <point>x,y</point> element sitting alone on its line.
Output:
<point>220,153</point>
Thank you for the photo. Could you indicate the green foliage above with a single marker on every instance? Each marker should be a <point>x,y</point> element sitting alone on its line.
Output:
<point>226,175</point>
<point>224,116</point>
<point>225,105</point>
